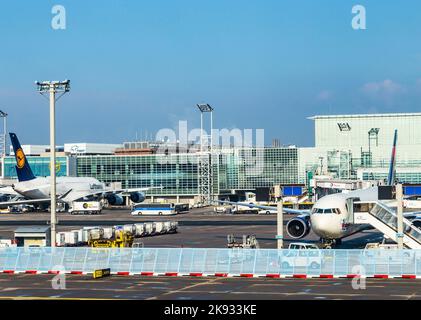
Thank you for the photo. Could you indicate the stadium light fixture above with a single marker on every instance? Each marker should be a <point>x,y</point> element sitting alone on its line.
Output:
<point>204,107</point>
<point>4,116</point>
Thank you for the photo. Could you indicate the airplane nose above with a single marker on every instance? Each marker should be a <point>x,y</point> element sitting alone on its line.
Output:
<point>316,221</point>
<point>324,225</point>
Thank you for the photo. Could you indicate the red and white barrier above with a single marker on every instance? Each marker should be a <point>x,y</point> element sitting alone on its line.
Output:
<point>221,274</point>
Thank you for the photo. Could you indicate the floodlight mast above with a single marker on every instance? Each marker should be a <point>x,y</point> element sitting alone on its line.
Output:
<point>51,88</point>
<point>205,159</point>
<point>4,116</point>
<point>205,107</point>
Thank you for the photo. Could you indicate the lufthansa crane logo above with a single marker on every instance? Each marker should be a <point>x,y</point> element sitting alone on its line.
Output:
<point>20,158</point>
<point>58,167</point>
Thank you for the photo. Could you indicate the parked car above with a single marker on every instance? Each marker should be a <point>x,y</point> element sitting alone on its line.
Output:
<point>266,211</point>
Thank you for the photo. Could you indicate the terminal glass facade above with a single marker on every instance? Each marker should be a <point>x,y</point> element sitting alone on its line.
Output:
<point>235,169</point>
<point>177,173</point>
<point>246,169</point>
<point>40,166</point>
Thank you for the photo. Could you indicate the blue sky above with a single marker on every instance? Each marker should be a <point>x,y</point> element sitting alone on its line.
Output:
<point>142,65</point>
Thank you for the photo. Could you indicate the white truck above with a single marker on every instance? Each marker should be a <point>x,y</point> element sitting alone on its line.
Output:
<point>85,207</point>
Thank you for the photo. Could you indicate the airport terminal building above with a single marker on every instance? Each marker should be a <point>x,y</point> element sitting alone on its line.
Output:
<point>346,147</point>
<point>360,146</point>
<point>179,173</point>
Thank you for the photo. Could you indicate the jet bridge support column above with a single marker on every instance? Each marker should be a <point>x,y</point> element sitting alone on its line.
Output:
<point>399,214</point>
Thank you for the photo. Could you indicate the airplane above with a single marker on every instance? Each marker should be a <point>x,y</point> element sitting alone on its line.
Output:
<point>329,215</point>
<point>36,190</point>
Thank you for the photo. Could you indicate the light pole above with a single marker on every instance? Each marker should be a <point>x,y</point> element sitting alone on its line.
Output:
<point>4,116</point>
<point>51,88</point>
<point>279,217</point>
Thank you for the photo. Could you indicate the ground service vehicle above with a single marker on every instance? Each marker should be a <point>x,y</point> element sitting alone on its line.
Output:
<point>85,207</point>
<point>302,246</point>
<point>120,239</point>
<point>159,209</point>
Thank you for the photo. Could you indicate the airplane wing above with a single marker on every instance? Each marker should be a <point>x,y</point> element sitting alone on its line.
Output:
<point>8,190</point>
<point>16,201</point>
<point>6,204</point>
<point>117,191</point>
<point>258,206</point>
<point>128,191</point>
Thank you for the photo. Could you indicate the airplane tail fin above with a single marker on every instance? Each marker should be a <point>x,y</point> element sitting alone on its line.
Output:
<point>23,169</point>
<point>392,169</point>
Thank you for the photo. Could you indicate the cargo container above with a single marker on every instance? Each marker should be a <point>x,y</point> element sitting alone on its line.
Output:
<point>170,226</point>
<point>139,229</point>
<point>174,226</point>
<point>108,232</point>
<point>85,236</point>
<point>61,239</point>
<point>159,227</point>
<point>71,238</point>
<point>166,227</point>
<point>149,228</point>
<point>85,233</point>
<point>79,235</point>
<point>130,228</point>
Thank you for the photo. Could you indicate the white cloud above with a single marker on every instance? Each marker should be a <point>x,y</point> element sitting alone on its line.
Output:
<point>387,87</point>
<point>386,91</point>
<point>324,95</point>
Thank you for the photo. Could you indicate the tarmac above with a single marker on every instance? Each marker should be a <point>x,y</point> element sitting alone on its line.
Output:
<point>23,286</point>
<point>199,228</point>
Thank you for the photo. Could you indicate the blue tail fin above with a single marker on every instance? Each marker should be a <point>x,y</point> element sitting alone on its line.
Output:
<point>392,169</point>
<point>22,166</point>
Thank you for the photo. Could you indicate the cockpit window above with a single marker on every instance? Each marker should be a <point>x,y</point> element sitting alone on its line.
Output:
<point>318,210</point>
<point>326,211</point>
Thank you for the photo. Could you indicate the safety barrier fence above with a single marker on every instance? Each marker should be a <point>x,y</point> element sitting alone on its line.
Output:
<point>214,262</point>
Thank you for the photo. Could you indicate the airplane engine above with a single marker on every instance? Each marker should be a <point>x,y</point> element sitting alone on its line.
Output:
<point>298,228</point>
<point>115,199</point>
<point>137,197</point>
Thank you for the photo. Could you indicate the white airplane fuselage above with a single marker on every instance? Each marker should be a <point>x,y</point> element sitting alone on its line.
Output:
<point>39,188</point>
<point>330,214</point>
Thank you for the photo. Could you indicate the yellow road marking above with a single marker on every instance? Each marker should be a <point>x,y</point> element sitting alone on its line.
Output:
<point>53,298</point>
<point>210,281</point>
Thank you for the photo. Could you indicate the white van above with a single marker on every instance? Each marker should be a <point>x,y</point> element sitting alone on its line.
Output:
<point>301,255</point>
<point>302,246</point>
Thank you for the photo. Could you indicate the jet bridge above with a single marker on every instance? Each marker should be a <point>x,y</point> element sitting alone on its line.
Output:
<point>382,217</point>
